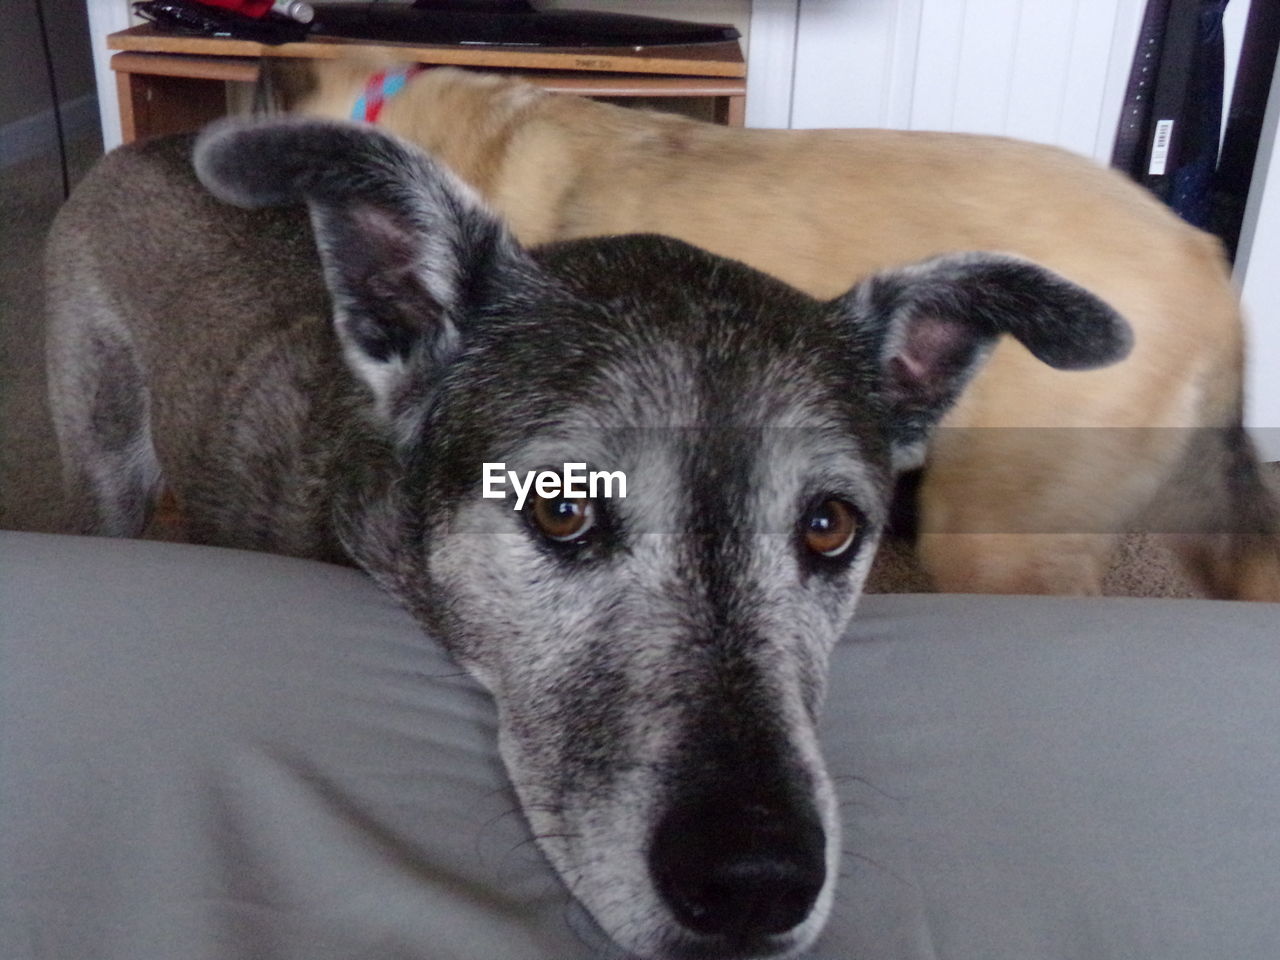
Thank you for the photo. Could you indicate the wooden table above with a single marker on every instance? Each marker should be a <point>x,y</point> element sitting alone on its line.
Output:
<point>171,83</point>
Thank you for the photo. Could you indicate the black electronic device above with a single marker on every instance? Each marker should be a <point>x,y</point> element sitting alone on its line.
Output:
<point>506,23</point>
<point>198,19</point>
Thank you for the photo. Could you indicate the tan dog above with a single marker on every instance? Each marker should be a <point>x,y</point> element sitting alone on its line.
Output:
<point>1040,470</point>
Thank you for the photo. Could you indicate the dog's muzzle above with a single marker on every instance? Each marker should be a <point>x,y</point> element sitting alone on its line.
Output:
<point>741,869</point>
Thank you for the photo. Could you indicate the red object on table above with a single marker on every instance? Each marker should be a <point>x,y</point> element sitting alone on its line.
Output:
<point>250,8</point>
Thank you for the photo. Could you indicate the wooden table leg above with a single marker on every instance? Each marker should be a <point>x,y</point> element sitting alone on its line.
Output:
<point>153,105</point>
<point>732,111</point>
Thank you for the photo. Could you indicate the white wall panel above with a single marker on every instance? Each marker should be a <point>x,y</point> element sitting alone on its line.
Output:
<point>987,42</point>
<point>1045,70</point>
<point>933,99</point>
<point>771,62</point>
<point>901,85</point>
<point>1038,74</point>
<point>855,62</point>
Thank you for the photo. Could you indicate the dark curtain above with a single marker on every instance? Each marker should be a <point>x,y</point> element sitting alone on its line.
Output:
<point>1171,124</point>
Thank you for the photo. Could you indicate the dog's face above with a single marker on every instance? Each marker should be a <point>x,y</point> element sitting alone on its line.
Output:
<point>657,659</point>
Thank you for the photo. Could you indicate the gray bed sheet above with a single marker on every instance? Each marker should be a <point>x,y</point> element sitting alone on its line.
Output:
<point>213,754</point>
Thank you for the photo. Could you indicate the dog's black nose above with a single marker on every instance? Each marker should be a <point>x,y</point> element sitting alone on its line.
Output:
<point>740,870</point>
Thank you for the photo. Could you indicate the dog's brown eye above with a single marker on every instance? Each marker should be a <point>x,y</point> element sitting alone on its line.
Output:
<point>563,518</point>
<point>829,528</point>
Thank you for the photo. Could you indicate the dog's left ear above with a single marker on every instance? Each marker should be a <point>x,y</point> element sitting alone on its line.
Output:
<point>929,326</point>
<point>407,248</point>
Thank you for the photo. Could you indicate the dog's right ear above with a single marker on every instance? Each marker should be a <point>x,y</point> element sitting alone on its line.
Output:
<point>407,248</point>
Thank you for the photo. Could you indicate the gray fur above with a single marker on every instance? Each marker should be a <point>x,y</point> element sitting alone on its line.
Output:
<point>339,405</point>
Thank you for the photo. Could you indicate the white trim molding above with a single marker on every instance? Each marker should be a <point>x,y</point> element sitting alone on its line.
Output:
<point>107,16</point>
<point>771,62</point>
<point>1256,272</point>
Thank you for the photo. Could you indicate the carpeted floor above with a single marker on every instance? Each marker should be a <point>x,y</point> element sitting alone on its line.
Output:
<point>30,194</point>
<point>30,496</point>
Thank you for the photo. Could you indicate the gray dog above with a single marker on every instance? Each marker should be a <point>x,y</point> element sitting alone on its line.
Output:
<point>335,389</point>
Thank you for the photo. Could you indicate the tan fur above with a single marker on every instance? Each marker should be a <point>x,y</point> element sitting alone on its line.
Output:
<point>1031,508</point>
